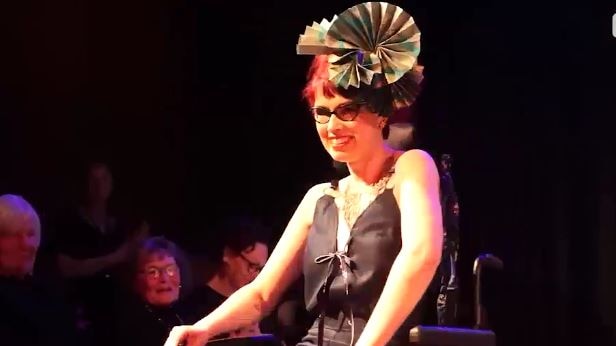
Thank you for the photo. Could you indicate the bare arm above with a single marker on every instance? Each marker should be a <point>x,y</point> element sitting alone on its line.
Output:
<point>422,232</point>
<point>255,300</point>
<point>73,267</point>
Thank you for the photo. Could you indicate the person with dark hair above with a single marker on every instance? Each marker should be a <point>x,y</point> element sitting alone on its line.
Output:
<point>92,242</point>
<point>154,279</point>
<point>369,244</point>
<point>243,254</point>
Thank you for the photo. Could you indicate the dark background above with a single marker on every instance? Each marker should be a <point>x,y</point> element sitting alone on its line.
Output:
<point>196,105</point>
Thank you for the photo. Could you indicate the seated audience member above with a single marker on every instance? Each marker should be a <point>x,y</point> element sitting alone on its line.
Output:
<point>31,312</point>
<point>148,312</point>
<point>244,253</point>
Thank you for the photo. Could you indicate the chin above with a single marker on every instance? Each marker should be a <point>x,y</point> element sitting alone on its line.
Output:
<point>339,156</point>
<point>24,269</point>
<point>162,302</point>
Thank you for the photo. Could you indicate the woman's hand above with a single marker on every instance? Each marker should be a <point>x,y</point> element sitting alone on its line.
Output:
<point>191,335</point>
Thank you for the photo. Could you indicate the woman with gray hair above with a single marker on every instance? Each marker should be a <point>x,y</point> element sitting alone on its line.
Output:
<point>20,236</point>
<point>154,278</point>
<point>30,312</point>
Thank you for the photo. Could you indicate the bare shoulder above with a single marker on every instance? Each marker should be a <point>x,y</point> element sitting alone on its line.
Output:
<point>416,178</point>
<point>317,191</point>
<point>415,160</point>
<point>417,166</point>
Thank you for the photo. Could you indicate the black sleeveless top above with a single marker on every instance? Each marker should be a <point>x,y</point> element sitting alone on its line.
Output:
<point>375,241</point>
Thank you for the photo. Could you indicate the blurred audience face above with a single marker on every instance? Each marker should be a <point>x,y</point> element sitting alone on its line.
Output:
<point>20,235</point>
<point>100,183</point>
<point>158,279</point>
<point>243,267</point>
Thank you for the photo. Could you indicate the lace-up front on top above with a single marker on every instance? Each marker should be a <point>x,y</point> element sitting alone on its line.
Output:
<point>343,283</point>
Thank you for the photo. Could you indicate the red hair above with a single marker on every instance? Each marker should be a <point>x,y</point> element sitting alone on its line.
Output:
<point>318,78</point>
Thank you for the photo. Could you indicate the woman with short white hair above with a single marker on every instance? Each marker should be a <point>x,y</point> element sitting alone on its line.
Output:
<point>20,236</point>
<point>31,313</point>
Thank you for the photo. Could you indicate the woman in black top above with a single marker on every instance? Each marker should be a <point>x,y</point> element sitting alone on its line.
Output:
<point>369,244</point>
<point>148,310</point>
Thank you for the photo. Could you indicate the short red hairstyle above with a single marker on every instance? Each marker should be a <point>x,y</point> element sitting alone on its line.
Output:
<point>318,78</point>
<point>380,99</point>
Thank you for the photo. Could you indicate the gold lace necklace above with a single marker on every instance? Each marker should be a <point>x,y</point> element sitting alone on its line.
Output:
<point>358,195</point>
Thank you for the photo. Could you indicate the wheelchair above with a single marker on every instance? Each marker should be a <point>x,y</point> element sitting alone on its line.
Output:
<point>400,137</point>
<point>478,335</point>
<point>421,335</point>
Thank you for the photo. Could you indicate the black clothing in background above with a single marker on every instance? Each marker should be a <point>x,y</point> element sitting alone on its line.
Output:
<point>32,314</point>
<point>140,324</point>
<point>204,300</point>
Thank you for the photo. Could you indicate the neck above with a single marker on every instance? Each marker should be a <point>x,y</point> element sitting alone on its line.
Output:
<point>371,169</point>
<point>220,284</point>
<point>158,307</point>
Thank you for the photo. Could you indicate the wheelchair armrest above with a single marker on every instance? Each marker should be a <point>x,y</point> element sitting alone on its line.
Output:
<point>448,336</point>
<point>256,340</point>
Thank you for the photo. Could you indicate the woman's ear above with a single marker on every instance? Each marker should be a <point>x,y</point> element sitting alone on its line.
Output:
<point>226,254</point>
<point>382,122</point>
<point>383,125</point>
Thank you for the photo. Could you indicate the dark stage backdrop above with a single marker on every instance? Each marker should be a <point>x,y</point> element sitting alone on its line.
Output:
<point>196,105</point>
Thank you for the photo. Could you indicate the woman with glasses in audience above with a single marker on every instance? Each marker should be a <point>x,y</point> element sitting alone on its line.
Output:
<point>150,310</point>
<point>243,253</point>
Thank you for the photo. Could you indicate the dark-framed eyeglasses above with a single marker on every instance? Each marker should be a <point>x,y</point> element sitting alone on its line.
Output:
<point>345,112</point>
<point>155,272</point>
<point>253,267</point>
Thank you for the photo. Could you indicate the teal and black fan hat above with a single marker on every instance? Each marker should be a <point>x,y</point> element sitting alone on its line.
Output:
<point>372,45</point>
